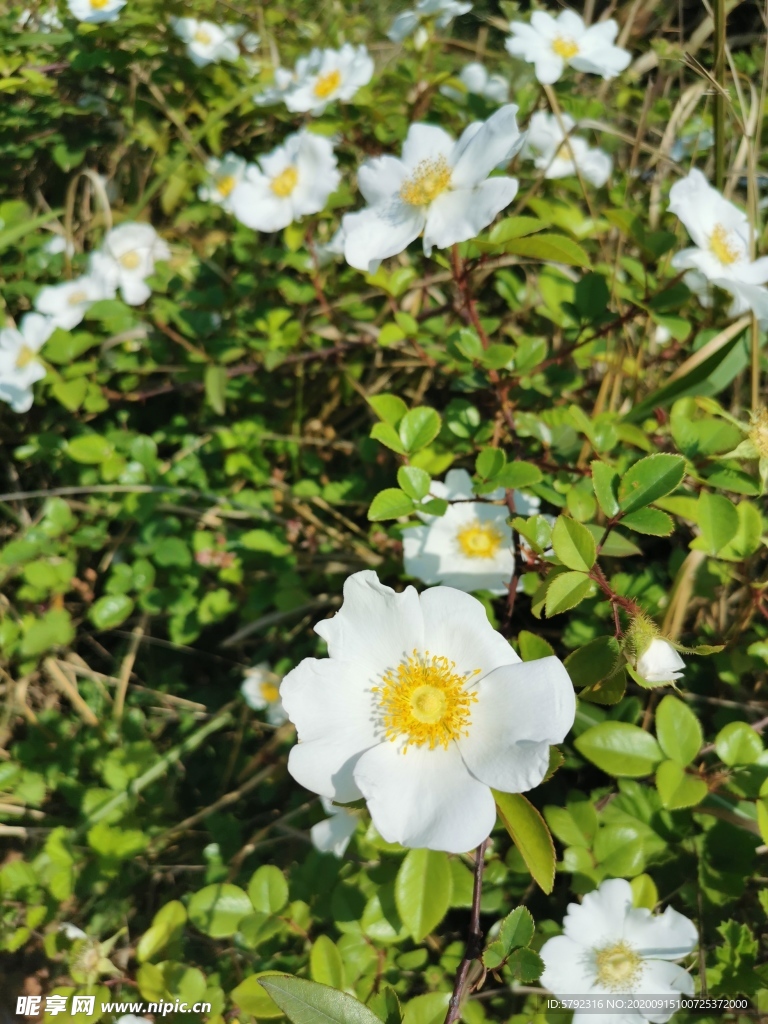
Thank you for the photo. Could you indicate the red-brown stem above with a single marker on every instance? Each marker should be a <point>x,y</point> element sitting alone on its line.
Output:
<point>474,946</point>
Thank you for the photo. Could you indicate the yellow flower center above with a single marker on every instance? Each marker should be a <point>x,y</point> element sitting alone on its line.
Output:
<point>201,36</point>
<point>722,245</point>
<point>285,182</point>
<point>225,185</point>
<point>76,298</point>
<point>564,47</point>
<point>327,84</point>
<point>618,967</point>
<point>270,692</point>
<point>130,260</point>
<point>25,357</point>
<point>430,179</point>
<point>98,4</point>
<point>479,540</point>
<point>425,701</point>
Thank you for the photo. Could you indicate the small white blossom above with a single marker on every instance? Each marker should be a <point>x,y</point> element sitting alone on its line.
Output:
<point>293,180</point>
<point>660,662</point>
<point>250,42</point>
<point>442,11</point>
<point>71,931</point>
<point>224,177</point>
<point>96,12</point>
<point>611,948</point>
<point>438,187</point>
<point>421,707</point>
<point>127,257</point>
<point>559,153</point>
<point>19,366</point>
<point>328,75</point>
<point>67,303</point>
<point>720,232</point>
<point>207,42</point>
<point>57,244</point>
<point>40,21</point>
<point>283,81</point>
<point>552,43</point>
<point>471,546</point>
<point>261,690</point>
<point>476,80</point>
<point>332,835</point>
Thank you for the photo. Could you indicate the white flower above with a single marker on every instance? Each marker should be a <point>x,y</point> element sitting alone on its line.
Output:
<point>127,257</point>
<point>19,365</point>
<point>207,43</point>
<point>293,180</point>
<point>559,153</point>
<point>610,948</point>
<point>68,302</point>
<point>438,187</point>
<point>332,835</point>
<point>475,78</point>
<point>720,232</point>
<point>328,75</point>
<point>471,546</point>
<point>443,11</point>
<point>695,281</point>
<point>225,175</point>
<point>284,80</point>
<point>57,244</point>
<point>250,42</point>
<point>660,662</point>
<point>261,690</point>
<point>40,21</point>
<point>71,931</point>
<point>420,708</point>
<point>96,12</point>
<point>550,43</point>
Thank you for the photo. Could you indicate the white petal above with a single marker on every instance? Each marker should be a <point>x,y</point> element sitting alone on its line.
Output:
<point>459,215</point>
<point>134,290</point>
<point>255,204</point>
<point>608,63</point>
<point>333,834</point>
<point>521,709</point>
<point>566,968</point>
<point>375,627</point>
<point>478,152</point>
<point>425,142</point>
<point>599,920</point>
<point>379,179</point>
<point>425,798</point>
<point>373,234</point>
<point>569,23</point>
<point>456,627</point>
<point>660,978</point>
<point>667,936</point>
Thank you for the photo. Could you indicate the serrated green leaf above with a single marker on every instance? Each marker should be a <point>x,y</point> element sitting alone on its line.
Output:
<point>390,504</point>
<point>325,963</point>
<point>676,788</point>
<point>566,591</point>
<point>718,521</point>
<point>649,479</point>
<point>737,743</point>
<point>573,544</point>
<point>549,248</point>
<point>651,521</point>
<point>489,462</point>
<point>530,835</point>
<point>307,1002</point>
<point>387,435</point>
<point>218,909</point>
<point>389,408</point>
<point>418,428</point>
<point>414,482</point>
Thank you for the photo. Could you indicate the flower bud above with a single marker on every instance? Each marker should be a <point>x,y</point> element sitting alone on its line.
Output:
<point>660,662</point>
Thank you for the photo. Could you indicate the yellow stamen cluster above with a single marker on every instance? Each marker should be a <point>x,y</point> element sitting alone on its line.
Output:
<point>479,540</point>
<point>270,692</point>
<point>430,179</point>
<point>285,182</point>
<point>225,185</point>
<point>201,36</point>
<point>327,84</point>
<point>76,298</point>
<point>425,702</point>
<point>618,967</point>
<point>97,5</point>
<point>564,47</point>
<point>25,357</point>
<point>130,260</point>
<point>722,246</point>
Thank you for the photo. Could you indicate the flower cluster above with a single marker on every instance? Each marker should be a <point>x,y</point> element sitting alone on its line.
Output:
<point>320,78</point>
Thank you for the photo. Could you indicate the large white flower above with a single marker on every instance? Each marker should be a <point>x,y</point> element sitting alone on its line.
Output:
<point>471,546</point>
<point>19,365</point>
<point>332,834</point>
<point>328,75</point>
<point>207,42</point>
<point>67,303</point>
<point>475,78</point>
<point>127,257</point>
<point>559,153</point>
<point>420,708</point>
<point>660,662</point>
<point>550,43</point>
<point>224,177</point>
<point>720,232</point>
<point>293,180</point>
<point>438,186</point>
<point>261,690</point>
<point>443,12</point>
<point>610,947</point>
<point>96,12</point>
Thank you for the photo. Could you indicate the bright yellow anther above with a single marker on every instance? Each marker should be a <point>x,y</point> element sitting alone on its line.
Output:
<point>618,967</point>
<point>479,540</point>
<point>225,185</point>
<point>285,182</point>
<point>722,245</point>
<point>25,357</point>
<point>564,47</point>
<point>130,260</point>
<point>326,85</point>
<point>430,179</point>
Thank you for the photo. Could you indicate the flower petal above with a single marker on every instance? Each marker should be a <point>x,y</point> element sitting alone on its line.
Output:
<point>462,214</point>
<point>379,179</point>
<point>425,142</point>
<point>333,834</point>
<point>479,151</point>
<point>599,920</point>
<point>660,978</point>
<point>456,627</point>
<point>566,969</point>
<point>667,936</point>
<point>373,234</point>
<point>425,798</point>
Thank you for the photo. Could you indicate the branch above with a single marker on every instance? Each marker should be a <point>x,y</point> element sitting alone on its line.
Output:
<point>474,940</point>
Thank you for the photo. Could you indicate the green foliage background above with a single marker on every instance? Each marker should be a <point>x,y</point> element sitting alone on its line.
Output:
<point>198,476</point>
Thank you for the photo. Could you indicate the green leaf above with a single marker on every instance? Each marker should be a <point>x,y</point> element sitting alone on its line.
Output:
<point>514,227</point>
<point>307,1002</point>
<point>390,504</point>
<point>53,629</point>
<point>530,835</point>
<point>516,929</point>
<point>489,462</point>
<point>644,892</point>
<point>167,924</point>
<point>596,661</point>
<point>676,788</point>
<point>387,435</point>
<point>414,481</point>
<point>573,544</point>
<point>620,749</point>
<point>218,909</point>
<point>591,297</point>
<point>532,646</point>
<point>718,521</point>
<point>325,963</point>
<point>649,520</point>
<point>678,730</point>
<point>649,479</point>
<point>268,889</point>
<point>551,248</point>
<point>518,474</point>
<point>427,1009</point>
<point>110,611</point>
<point>388,408</point>
<point>423,891</point>
<point>576,823</point>
<point>566,591</point>
<point>90,449</point>
<point>251,997</point>
<point>215,386</point>
<point>418,428</point>
<point>737,743</point>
